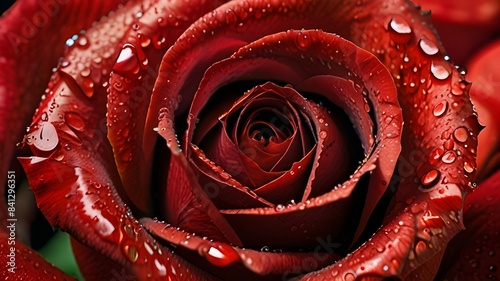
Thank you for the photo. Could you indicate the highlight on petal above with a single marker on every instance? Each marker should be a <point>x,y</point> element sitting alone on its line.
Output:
<point>485,73</point>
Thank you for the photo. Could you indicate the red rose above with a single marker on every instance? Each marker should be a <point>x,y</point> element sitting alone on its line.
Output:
<point>270,147</point>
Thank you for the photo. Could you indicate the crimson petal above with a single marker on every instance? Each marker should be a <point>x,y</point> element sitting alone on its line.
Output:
<point>484,94</point>
<point>21,263</point>
<point>77,159</point>
<point>473,253</point>
<point>154,29</point>
<point>232,262</point>
<point>31,25</point>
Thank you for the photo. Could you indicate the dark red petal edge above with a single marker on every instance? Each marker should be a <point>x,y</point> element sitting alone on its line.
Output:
<point>32,25</point>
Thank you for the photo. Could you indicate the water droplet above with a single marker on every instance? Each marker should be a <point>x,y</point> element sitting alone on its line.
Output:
<point>221,254</point>
<point>449,157</point>
<point>44,138</point>
<point>303,41</point>
<point>128,61</point>
<point>58,156</point>
<point>159,41</point>
<point>323,134</point>
<point>440,70</point>
<point>428,46</point>
<point>440,108</point>
<point>148,248</point>
<point>87,87</point>
<point>430,178</point>
<point>435,155</point>
<point>161,22</point>
<point>461,134</point>
<point>399,30</point>
<point>449,144</point>
<point>468,167</point>
<point>129,231</point>
<point>131,253</point>
<point>349,277</point>
<point>380,248</point>
<point>143,40</point>
<point>279,208</point>
<point>44,117</point>
<point>74,121</point>
<point>83,42</point>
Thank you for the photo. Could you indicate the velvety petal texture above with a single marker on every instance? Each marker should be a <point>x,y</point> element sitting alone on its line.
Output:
<point>308,139</point>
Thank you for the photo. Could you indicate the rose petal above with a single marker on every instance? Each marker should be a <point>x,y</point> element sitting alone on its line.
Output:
<point>247,59</point>
<point>154,29</point>
<point>78,201</point>
<point>473,253</point>
<point>430,191</point>
<point>78,161</point>
<point>31,25</point>
<point>189,208</point>
<point>21,263</point>
<point>464,26</point>
<point>94,266</point>
<point>485,73</point>
<point>230,262</point>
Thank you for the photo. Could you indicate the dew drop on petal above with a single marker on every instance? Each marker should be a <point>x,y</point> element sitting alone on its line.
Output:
<point>131,252</point>
<point>279,207</point>
<point>144,40</point>
<point>45,138</point>
<point>349,277</point>
<point>83,41</point>
<point>440,71</point>
<point>221,254</point>
<point>303,41</point>
<point>428,46</point>
<point>380,248</point>
<point>323,134</point>
<point>440,108</point>
<point>468,167</point>
<point>430,178</point>
<point>127,61</point>
<point>460,134</point>
<point>161,269</point>
<point>449,157</point>
<point>400,30</point>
